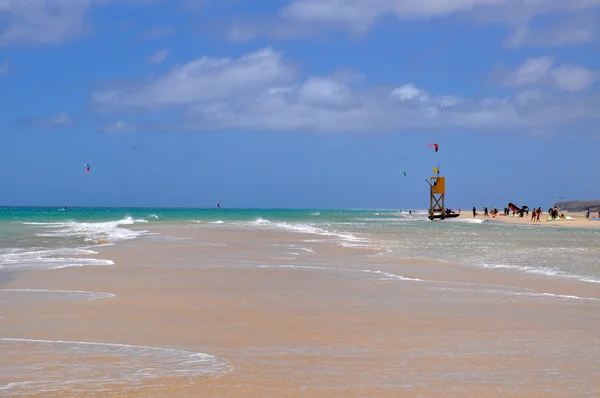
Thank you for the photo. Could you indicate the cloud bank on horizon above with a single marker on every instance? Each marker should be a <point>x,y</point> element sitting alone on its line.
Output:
<point>260,76</point>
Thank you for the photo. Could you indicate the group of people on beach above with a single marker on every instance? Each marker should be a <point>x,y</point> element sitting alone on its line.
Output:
<point>535,214</point>
<point>588,215</point>
<point>553,213</point>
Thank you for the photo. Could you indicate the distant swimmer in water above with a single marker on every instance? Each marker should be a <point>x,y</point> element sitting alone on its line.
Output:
<point>410,212</point>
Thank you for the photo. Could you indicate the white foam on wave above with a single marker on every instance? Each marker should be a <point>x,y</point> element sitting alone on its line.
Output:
<point>545,271</point>
<point>45,294</point>
<point>313,230</point>
<point>382,275</point>
<point>305,228</point>
<point>388,219</point>
<point>85,367</point>
<point>510,291</point>
<point>80,264</point>
<point>559,296</point>
<point>292,246</point>
<point>467,220</point>
<point>92,231</point>
<point>389,275</point>
<point>218,222</point>
<point>31,258</point>
<point>297,266</point>
<point>96,233</point>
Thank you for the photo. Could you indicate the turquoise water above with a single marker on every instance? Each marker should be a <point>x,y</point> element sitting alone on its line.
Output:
<point>33,238</point>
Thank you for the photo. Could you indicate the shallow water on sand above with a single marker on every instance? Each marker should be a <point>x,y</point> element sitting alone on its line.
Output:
<point>325,300</point>
<point>46,366</point>
<point>49,238</point>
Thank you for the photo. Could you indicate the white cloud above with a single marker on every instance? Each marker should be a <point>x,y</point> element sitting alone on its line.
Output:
<point>117,127</point>
<point>61,119</point>
<point>580,29</point>
<point>409,92</point>
<point>534,70</point>
<point>159,56</point>
<point>541,71</point>
<point>41,21</point>
<point>259,91</point>
<point>203,79</point>
<point>376,110</point>
<point>303,18</point>
<point>360,14</point>
<point>46,21</point>
<point>574,78</point>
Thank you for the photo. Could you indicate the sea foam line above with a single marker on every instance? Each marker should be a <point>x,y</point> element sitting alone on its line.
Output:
<point>47,258</point>
<point>78,293</point>
<point>134,367</point>
<point>391,276</point>
<point>385,275</point>
<point>91,231</point>
<point>294,227</point>
<point>545,271</point>
<point>508,291</point>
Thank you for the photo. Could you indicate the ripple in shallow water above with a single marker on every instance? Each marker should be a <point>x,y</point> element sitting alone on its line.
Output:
<point>21,295</point>
<point>38,366</point>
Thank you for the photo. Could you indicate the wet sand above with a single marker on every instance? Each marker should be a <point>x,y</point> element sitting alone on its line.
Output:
<point>293,317</point>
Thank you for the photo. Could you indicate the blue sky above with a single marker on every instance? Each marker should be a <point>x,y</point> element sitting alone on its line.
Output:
<point>298,103</point>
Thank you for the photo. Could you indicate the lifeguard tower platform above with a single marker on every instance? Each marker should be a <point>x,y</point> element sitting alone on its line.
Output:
<point>437,197</point>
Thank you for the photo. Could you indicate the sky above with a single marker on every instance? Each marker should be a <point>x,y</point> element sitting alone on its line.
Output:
<point>298,103</point>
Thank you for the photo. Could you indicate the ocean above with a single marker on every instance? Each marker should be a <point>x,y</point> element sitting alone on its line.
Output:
<point>50,238</point>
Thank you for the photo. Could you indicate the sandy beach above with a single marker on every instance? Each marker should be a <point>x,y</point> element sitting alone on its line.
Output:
<point>578,219</point>
<point>338,322</point>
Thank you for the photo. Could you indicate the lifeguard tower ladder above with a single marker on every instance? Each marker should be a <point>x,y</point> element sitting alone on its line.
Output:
<point>437,194</point>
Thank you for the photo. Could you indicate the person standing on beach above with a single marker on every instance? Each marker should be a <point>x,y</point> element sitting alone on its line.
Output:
<point>485,211</point>
<point>538,213</point>
<point>474,212</point>
<point>533,214</point>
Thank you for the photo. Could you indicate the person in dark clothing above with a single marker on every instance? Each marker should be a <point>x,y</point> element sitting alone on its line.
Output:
<point>474,211</point>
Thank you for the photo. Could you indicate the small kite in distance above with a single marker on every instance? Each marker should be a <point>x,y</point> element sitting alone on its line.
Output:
<point>404,172</point>
<point>219,205</point>
<point>87,168</point>
<point>437,147</point>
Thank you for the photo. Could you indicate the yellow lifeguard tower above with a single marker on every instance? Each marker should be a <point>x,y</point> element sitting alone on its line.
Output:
<point>437,196</point>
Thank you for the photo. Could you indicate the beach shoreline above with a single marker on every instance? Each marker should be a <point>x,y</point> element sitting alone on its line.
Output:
<point>578,220</point>
<point>328,321</point>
